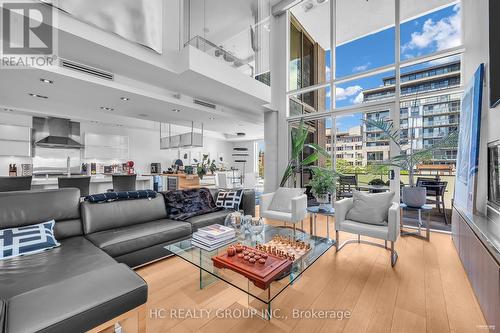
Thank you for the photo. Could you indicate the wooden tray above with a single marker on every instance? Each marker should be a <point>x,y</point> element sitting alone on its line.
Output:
<point>260,274</point>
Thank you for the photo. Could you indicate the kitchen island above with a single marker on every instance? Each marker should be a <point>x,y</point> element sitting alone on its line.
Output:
<point>98,183</point>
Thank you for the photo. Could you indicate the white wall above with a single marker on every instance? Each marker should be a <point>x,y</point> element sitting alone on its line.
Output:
<point>250,165</point>
<point>476,42</point>
<point>13,119</point>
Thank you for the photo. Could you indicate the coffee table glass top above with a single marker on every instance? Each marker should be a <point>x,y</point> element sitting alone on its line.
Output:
<point>208,273</point>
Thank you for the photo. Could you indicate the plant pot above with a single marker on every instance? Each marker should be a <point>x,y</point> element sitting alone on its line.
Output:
<point>414,196</point>
<point>324,202</point>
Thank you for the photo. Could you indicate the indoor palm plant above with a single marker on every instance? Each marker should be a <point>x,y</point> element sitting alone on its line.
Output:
<point>323,184</point>
<point>296,163</point>
<point>410,157</point>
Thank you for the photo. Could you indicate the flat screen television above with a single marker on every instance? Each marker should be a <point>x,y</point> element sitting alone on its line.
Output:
<point>494,174</point>
<point>494,52</point>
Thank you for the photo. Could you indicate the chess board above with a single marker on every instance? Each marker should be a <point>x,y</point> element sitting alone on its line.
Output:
<point>262,275</point>
<point>285,248</point>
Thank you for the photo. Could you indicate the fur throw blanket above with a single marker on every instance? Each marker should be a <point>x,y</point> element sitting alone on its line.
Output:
<point>184,204</point>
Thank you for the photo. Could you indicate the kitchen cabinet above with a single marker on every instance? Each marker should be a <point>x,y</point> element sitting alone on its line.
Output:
<point>106,147</point>
<point>480,265</point>
<point>15,140</point>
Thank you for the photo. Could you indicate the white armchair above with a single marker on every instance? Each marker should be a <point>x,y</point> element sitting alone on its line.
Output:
<point>296,214</point>
<point>389,232</point>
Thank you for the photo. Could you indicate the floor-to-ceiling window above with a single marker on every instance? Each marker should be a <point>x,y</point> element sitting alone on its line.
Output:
<point>392,60</point>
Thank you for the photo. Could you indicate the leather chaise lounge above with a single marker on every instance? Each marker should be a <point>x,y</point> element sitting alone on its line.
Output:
<point>88,279</point>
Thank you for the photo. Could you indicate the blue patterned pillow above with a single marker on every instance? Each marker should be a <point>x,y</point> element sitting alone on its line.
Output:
<point>229,199</point>
<point>29,239</point>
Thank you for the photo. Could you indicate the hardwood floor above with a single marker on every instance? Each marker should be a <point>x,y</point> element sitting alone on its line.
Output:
<point>427,291</point>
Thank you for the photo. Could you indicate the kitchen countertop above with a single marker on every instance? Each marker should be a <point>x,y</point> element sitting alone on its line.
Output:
<point>93,179</point>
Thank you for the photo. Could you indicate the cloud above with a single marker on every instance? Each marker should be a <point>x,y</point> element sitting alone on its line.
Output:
<point>361,68</point>
<point>328,72</point>
<point>440,35</point>
<point>358,99</point>
<point>344,93</point>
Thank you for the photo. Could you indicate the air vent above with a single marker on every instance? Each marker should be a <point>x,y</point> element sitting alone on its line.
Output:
<point>86,69</point>
<point>203,103</point>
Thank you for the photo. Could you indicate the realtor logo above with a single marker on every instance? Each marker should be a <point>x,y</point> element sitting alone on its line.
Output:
<point>28,34</point>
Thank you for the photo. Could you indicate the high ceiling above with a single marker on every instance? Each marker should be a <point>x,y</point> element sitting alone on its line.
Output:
<point>357,18</point>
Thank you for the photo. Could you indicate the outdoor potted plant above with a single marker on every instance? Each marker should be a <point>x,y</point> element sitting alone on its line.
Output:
<point>410,157</point>
<point>323,184</point>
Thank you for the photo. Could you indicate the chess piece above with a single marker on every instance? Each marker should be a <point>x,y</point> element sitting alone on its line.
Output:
<point>262,261</point>
<point>239,248</point>
<point>241,255</point>
<point>231,251</point>
<point>246,258</point>
<point>251,260</point>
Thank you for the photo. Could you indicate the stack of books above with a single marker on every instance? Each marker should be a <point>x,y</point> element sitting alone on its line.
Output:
<point>213,237</point>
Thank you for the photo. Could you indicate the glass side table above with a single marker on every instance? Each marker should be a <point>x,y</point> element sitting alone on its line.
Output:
<point>425,209</point>
<point>314,212</point>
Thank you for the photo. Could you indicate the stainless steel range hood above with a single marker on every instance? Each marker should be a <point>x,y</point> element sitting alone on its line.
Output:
<point>56,133</point>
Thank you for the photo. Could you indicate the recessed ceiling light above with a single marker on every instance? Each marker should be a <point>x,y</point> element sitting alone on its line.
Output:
<point>47,81</point>
<point>106,108</point>
<point>125,99</point>
<point>8,110</point>
<point>143,115</point>
<point>36,95</point>
<point>211,118</point>
<point>240,134</point>
<point>176,110</point>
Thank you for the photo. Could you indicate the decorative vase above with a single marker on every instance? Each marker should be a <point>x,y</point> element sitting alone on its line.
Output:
<point>414,196</point>
<point>324,202</point>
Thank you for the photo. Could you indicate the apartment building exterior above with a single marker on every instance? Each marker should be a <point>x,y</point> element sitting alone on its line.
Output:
<point>428,118</point>
<point>348,145</point>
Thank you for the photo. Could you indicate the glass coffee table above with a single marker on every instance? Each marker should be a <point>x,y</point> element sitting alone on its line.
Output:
<point>259,300</point>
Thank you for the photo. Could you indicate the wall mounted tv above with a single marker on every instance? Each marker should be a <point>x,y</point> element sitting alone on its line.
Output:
<point>494,53</point>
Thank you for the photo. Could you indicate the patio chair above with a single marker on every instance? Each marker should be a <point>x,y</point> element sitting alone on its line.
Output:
<point>346,185</point>
<point>435,194</point>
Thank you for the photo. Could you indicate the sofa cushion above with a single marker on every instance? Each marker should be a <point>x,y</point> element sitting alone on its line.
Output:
<point>278,216</point>
<point>365,229</point>
<point>111,215</point>
<point>78,303</point>
<point>370,208</point>
<point>120,241</point>
<point>75,256</point>
<point>208,219</point>
<point>282,199</point>
<point>23,208</point>
<point>27,240</point>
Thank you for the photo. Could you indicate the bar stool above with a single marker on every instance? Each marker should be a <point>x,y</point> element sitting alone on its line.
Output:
<point>20,183</point>
<point>82,183</point>
<point>124,183</point>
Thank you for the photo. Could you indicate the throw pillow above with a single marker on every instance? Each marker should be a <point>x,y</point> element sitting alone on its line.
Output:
<point>282,199</point>
<point>184,204</point>
<point>229,199</point>
<point>29,239</point>
<point>370,208</point>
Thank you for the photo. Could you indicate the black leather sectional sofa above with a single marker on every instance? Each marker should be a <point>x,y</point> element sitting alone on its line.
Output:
<point>88,280</point>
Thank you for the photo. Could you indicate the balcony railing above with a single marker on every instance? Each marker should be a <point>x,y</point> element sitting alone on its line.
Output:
<point>220,53</point>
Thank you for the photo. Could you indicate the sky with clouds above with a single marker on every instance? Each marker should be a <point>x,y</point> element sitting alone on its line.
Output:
<point>433,32</point>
